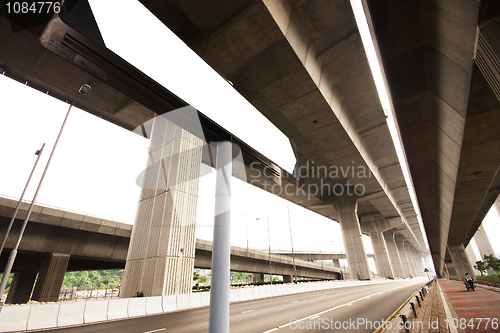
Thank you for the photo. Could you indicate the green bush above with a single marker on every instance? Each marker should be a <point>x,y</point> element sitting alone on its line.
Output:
<point>454,279</point>
<point>493,277</point>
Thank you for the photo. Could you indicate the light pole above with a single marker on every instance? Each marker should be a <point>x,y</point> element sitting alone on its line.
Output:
<point>269,246</point>
<point>85,89</point>
<point>38,153</point>
<point>291,241</point>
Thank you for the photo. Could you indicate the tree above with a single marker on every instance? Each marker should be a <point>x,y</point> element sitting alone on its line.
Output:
<point>481,266</point>
<point>493,262</point>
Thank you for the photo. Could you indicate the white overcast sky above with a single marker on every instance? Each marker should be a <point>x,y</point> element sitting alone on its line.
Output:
<point>95,167</point>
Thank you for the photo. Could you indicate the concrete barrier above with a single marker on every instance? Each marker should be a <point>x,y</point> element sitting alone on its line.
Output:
<point>280,290</point>
<point>137,306</point>
<point>183,302</point>
<point>249,294</point>
<point>154,305</point>
<point>266,291</point>
<point>117,308</point>
<point>70,314</point>
<point>95,311</point>
<point>243,294</point>
<point>169,303</point>
<point>256,293</point>
<point>233,295</point>
<point>43,316</point>
<point>195,300</point>
<point>14,318</point>
<point>205,298</point>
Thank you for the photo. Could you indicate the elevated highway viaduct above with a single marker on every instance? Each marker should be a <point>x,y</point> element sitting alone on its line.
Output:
<point>57,241</point>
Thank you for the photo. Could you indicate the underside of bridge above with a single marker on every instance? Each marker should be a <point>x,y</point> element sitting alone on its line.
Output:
<point>302,64</point>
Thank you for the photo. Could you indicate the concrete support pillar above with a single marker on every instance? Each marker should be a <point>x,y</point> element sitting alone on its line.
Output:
<point>402,255</point>
<point>460,261</point>
<point>21,288</point>
<point>409,256</point>
<point>347,210</point>
<point>257,277</point>
<point>483,243</point>
<point>382,261</point>
<point>50,278</point>
<point>421,264</point>
<point>160,259</point>
<point>336,263</point>
<point>418,263</point>
<point>471,256</point>
<point>428,263</point>
<point>287,278</point>
<point>446,273</point>
<point>394,258</point>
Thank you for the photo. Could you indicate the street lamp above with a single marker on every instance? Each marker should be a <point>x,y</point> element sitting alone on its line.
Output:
<point>38,153</point>
<point>269,244</point>
<point>85,89</point>
<point>291,241</point>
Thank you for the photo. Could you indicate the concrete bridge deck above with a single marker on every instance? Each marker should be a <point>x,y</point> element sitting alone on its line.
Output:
<point>94,243</point>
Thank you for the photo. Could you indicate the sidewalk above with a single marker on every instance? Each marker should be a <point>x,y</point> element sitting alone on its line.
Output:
<point>464,311</point>
<point>472,306</point>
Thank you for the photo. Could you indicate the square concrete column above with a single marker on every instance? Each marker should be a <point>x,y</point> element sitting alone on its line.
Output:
<point>460,261</point>
<point>420,263</point>
<point>409,257</point>
<point>347,210</point>
<point>160,258</point>
<point>287,278</point>
<point>402,255</point>
<point>257,277</point>
<point>21,288</point>
<point>382,261</point>
<point>51,277</point>
<point>336,263</point>
<point>394,258</point>
<point>483,245</point>
<point>417,261</point>
<point>471,256</point>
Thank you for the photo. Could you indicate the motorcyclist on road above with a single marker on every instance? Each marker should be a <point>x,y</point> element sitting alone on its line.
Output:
<point>468,279</point>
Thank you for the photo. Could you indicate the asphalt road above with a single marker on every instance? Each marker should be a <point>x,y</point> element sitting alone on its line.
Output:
<point>349,309</point>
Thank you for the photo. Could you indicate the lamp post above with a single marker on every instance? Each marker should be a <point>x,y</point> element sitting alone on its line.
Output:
<point>269,246</point>
<point>291,241</point>
<point>38,153</point>
<point>85,89</point>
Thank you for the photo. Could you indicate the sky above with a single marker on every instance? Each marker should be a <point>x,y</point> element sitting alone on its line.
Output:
<point>95,168</point>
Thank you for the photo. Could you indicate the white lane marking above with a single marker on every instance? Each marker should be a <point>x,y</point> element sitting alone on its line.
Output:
<point>248,311</point>
<point>295,301</point>
<point>325,311</point>
<point>449,317</point>
<point>158,330</point>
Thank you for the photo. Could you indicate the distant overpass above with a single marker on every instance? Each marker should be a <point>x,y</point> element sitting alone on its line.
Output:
<point>88,243</point>
<point>310,256</point>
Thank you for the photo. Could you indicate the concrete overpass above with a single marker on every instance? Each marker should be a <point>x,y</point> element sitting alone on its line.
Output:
<point>303,66</point>
<point>56,241</point>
